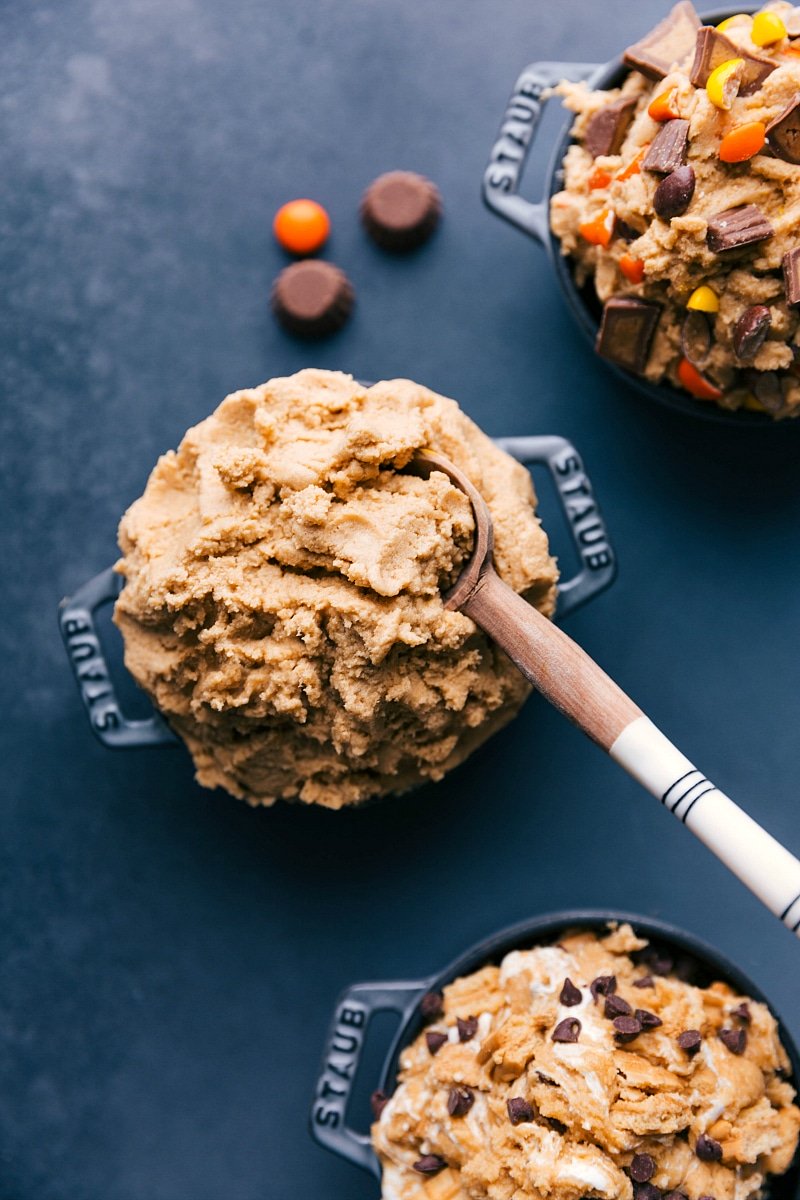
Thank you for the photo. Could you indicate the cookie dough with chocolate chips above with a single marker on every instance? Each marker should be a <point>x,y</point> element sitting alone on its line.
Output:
<point>283,590</point>
<point>682,191</point>
<point>594,1071</point>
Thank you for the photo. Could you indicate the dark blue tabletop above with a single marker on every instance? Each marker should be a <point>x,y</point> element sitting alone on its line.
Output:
<point>169,957</point>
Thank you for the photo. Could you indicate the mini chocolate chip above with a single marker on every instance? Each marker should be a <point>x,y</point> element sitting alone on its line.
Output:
<point>540,1075</point>
<point>707,1150</point>
<point>604,985</point>
<point>378,1101</point>
<point>734,1039</point>
<point>649,1020</point>
<point>750,331</point>
<point>431,1005</point>
<point>430,1164</point>
<point>519,1110</point>
<point>570,995</point>
<point>676,1196</point>
<point>645,982</point>
<point>674,194</point>
<point>643,1168</point>
<point>615,1006</point>
<point>742,1012</point>
<point>646,1191</point>
<point>467,1029</point>
<point>661,964</point>
<point>552,1123</point>
<point>567,1030</point>
<point>435,1041</point>
<point>705,1198</point>
<point>627,1028</point>
<point>460,1101</point>
<point>690,1040</point>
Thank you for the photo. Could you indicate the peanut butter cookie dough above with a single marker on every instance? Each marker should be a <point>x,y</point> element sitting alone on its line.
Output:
<point>283,590</point>
<point>681,203</point>
<point>587,1069</point>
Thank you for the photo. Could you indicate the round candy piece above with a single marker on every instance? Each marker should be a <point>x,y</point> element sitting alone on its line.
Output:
<point>301,226</point>
<point>312,298</point>
<point>400,210</point>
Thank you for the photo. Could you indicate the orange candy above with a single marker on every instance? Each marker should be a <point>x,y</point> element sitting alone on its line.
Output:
<point>600,230</point>
<point>665,106</point>
<point>301,226</point>
<point>697,384</point>
<point>743,142</point>
<point>632,268</point>
<point>635,165</point>
<point>599,179</point>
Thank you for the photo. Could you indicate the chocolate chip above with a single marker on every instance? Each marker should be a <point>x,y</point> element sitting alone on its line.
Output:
<point>660,963</point>
<point>783,134</point>
<point>467,1029</point>
<point>750,331</point>
<point>624,337</point>
<point>734,1039</point>
<point>707,1150</point>
<point>460,1101</point>
<point>690,1040</point>
<point>431,1005</point>
<point>668,148</point>
<point>435,1041</point>
<point>705,1198</point>
<point>540,1075</point>
<point>676,1196</point>
<point>737,227</point>
<point>627,1028</point>
<point>649,1020</point>
<point>378,1101</point>
<point>742,1011</point>
<point>712,49</point>
<point>674,194</point>
<point>672,41</point>
<point>791,275</point>
<point>645,982</point>
<point>606,129</point>
<point>567,1030</point>
<point>570,995</point>
<point>646,1191</point>
<point>642,1168</point>
<point>552,1123</point>
<point>430,1164</point>
<point>519,1110</point>
<point>615,1006</point>
<point>696,337</point>
<point>604,985</point>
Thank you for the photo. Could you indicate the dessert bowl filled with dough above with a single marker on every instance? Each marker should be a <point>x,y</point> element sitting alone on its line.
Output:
<point>577,1055</point>
<point>672,212</point>
<point>283,581</point>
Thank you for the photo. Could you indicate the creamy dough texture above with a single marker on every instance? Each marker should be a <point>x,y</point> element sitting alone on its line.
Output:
<point>674,254</point>
<point>283,590</point>
<point>596,1107</point>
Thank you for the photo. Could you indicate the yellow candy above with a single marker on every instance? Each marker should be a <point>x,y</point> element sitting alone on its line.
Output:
<point>704,299</point>
<point>767,28</point>
<point>723,83</point>
<point>726,24</point>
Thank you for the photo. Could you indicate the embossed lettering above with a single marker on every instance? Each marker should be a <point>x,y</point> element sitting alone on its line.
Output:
<point>345,1072</point>
<point>601,558</point>
<point>350,1046</point>
<point>328,1089</point>
<point>73,625</point>
<point>566,466</point>
<point>326,1116</point>
<point>352,1016</point>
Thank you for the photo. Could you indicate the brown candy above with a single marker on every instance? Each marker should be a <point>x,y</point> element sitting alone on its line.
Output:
<point>696,339</point>
<point>626,1029</point>
<point>647,1019</point>
<point>606,130</point>
<point>435,1041</point>
<point>466,1028</point>
<point>713,49</point>
<point>400,210</point>
<point>430,1164</point>
<point>568,1030</point>
<point>690,1040</point>
<point>791,275</point>
<point>750,331</point>
<point>708,1150</point>
<point>737,227</point>
<point>670,43</point>
<point>626,332</point>
<point>604,985</point>
<point>642,1168</point>
<point>570,995</point>
<point>734,1039</point>
<point>783,134</point>
<point>668,148</point>
<point>766,387</point>
<point>460,1101</point>
<point>312,298</point>
<point>519,1110</point>
<point>615,1006</point>
<point>674,194</point>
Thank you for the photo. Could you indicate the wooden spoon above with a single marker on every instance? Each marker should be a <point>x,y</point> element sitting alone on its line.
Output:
<point>580,689</point>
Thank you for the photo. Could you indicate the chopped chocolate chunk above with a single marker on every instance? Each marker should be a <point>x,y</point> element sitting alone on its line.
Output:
<point>604,985</point>
<point>568,1030</point>
<point>645,982</point>
<point>377,1102</point>
<point>734,1039</point>
<point>625,334</point>
<point>615,1006</point>
<point>737,227</point>
<point>668,148</point>
<point>791,275</point>
<point>648,1020</point>
<point>430,1164</point>
<point>690,1040</point>
<point>460,1101</point>
<point>643,1168</point>
<point>742,1011</point>
<point>750,331</point>
<point>519,1110</point>
<point>696,337</point>
<point>435,1041</point>
<point>431,1005</point>
<point>712,49</point>
<point>674,194</point>
<point>707,1150</point>
<point>670,43</point>
<point>646,1191</point>
<point>783,134</point>
<point>467,1029</point>
<point>626,1029</point>
<point>570,995</point>
<point>606,130</point>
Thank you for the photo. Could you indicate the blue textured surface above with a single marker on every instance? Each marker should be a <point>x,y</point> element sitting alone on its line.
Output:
<point>169,958</point>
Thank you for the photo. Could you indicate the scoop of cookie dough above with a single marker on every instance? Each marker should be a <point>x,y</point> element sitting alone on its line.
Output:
<point>561,1075</point>
<point>283,590</point>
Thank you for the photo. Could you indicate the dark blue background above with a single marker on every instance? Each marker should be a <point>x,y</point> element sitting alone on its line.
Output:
<point>170,957</point>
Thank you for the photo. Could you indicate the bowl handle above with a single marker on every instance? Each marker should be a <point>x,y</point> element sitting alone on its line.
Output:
<point>581,511</point>
<point>76,621</point>
<point>346,1037</point>
<point>502,176</point>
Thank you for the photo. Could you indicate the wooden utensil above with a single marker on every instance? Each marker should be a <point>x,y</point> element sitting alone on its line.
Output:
<point>579,688</point>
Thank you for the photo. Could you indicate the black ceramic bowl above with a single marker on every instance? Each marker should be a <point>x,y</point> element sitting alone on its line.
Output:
<point>501,183</point>
<point>348,1029</point>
